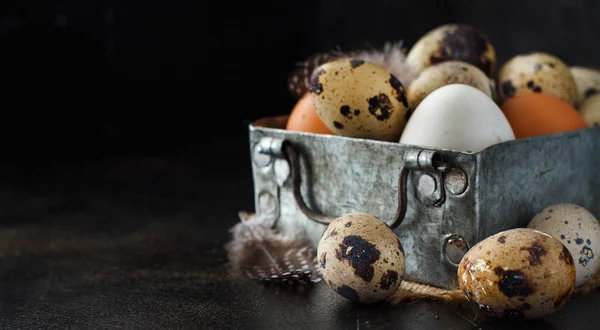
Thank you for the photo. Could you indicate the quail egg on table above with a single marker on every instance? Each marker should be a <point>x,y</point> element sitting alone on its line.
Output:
<point>361,258</point>
<point>458,42</point>
<point>359,99</point>
<point>518,274</point>
<point>578,230</point>
<point>447,73</point>
<point>587,81</point>
<point>590,110</point>
<point>537,72</point>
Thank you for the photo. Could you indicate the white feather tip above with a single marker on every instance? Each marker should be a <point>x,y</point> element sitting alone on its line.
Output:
<point>392,57</point>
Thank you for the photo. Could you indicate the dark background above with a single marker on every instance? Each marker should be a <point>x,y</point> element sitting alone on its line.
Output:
<point>136,240</point>
<point>90,71</point>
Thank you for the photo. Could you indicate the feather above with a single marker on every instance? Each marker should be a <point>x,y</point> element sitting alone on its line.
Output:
<point>392,58</point>
<point>299,79</point>
<point>259,252</point>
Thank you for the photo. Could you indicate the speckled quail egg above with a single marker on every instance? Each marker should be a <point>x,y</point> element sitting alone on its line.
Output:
<point>537,72</point>
<point>590,110</point>
<point>578,230</point>
<point>359,99</point>
<point>447,73</point>
<point>587,81</point>
<point>460,42</point>
<point>518,274</point>
<point>361,258</point>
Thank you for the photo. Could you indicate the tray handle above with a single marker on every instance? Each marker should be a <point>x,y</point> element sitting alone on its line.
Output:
<point>413,159</point>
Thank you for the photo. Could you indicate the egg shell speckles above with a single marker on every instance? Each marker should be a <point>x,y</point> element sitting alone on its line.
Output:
<point>590,110</point>
<point>578,230</point>
<point>458,42</point>
<point>587,81</point>
<point>359,99</point>
<point>518,274</point>
<point>361,258</point>
<point>446,73</point>
<point>537,72</point>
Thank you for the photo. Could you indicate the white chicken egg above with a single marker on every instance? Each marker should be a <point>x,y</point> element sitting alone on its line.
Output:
<point>578,230</point>
<point>457,117</point>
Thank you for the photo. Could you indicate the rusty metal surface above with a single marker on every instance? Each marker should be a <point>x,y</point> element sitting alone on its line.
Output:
<point>487,192</point>
<point>293,160</point>
<point>342,175</point>
<point>520,178</point>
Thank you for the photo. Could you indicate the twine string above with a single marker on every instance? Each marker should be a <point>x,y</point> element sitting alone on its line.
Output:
<point>416,291</point>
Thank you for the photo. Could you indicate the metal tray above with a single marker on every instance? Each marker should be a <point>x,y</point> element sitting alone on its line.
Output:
<point>439,202</point>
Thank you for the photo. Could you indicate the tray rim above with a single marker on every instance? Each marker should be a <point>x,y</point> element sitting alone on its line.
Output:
<point>261,124</point>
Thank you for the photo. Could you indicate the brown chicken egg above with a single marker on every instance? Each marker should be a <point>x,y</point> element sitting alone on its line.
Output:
<point>361,258</point>
<point>304,118</point>
<point>537,72</point>
<point>587,81</point>
<point>518,274</point>
<point>459,42</point>
<point>447,73</point>
<point>359,99</point>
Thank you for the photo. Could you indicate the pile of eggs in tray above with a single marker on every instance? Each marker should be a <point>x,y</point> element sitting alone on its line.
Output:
<point>445,94</point>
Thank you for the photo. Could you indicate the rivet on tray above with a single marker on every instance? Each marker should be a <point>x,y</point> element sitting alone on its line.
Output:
<point>454,248</point>
<point>267,203</point>
<point>260,158</point>
<point>456,181</point>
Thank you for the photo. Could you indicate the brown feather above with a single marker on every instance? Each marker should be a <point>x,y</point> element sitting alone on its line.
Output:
<point>299,79</point>
<point>259,252</point>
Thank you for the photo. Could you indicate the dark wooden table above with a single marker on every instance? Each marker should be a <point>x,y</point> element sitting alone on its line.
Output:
<point>138,242</point>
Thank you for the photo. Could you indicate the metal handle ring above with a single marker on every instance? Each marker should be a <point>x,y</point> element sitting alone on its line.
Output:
<point>292,157</point>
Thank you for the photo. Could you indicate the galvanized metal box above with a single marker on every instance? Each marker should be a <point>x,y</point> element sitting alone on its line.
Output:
<point>443,201</point>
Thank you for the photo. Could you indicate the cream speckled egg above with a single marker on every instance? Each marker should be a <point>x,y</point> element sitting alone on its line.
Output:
<point>361,258</point>
<point>578,230</point>
<point>590,110</point>
<point>518,274</point>
<point>537,72</point>
<point>453,42</point>
<point>359,99</point>
<point>446,73</point>
<point>587,81</point>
